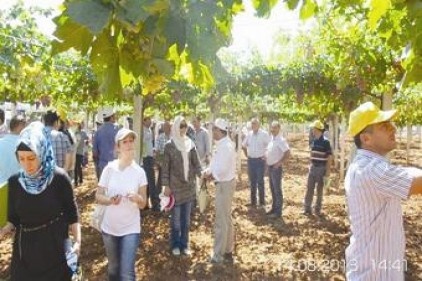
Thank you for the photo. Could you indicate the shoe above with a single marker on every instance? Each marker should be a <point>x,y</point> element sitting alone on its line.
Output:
<point>318,213</point>
<point>176,252</point>
<point>274,216</point>
<point>270,212</point>
<point>251,205</point>
<point>307,213</point>
<point>215,260</point>
<point>228,258</point>
<point>186,252</point>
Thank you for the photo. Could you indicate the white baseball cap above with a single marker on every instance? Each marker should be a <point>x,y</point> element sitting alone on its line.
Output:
<point>106,112</point>
<point>221,124</point>
<point>123,133</point>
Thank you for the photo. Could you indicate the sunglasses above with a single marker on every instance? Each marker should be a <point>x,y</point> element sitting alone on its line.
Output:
<point>183,125</point>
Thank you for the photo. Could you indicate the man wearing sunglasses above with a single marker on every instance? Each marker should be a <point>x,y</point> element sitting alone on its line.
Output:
<point>375,189</point>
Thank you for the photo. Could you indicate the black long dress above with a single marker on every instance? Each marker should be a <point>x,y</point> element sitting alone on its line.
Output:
<point>42,225</point>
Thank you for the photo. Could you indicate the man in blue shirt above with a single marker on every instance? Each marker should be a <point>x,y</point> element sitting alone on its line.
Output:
<point>8,163</point>
<point>103,145</point>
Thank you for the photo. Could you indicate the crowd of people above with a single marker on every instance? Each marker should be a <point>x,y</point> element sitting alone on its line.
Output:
<point>42,210</point>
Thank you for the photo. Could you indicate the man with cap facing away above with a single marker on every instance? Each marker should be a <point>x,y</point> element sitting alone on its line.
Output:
<point>223,170</point>
<point>103,144</point>
<point>374,191</point>
<point>320,168</point>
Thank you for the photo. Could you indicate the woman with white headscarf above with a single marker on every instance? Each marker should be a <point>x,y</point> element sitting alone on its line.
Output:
<point>180,168</point>
<point>42,209</point>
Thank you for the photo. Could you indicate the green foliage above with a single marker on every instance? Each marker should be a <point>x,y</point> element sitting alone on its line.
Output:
<point>139,37</point>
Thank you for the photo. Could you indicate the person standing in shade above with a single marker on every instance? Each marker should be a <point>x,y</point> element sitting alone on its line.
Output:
<point>180,168</point>
<point>160,142</point>
<point>202,142</point>
<point>375,189</point>
<point>42,208</point>
<point>9,165</point>
<point>3,125</point>
<point>103,143</point>
<point>223,170</point>
<point>319,169</point>
<point>61,145</point>
<point>148,163</point>
<point>254,146</point>
<point>81,142</point>
<point>277,154</point>
<point>122,188</point>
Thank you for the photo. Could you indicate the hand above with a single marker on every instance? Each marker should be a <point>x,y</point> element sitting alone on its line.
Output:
<point>167,191</point>
<point>115,200</point>
<point>134,197</point>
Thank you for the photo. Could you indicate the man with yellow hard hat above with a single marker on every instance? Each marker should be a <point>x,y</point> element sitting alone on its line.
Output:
<point>374,191</point>
<point>321,156</point>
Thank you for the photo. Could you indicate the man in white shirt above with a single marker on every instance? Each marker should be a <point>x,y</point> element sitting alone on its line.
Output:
<point>278,152</point>
<point>223,170</point>
<point>148,163</point>
<point>375,189</point>
<point>254,146</point>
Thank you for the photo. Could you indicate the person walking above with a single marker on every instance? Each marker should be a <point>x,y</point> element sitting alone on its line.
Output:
<point>122,188</point>
<point>81,142</point>
<point>160,142</point>
<point>148,163</point>
<point>42,209</point>
<point>254,146</point>
<point>223,170</point>
<point>277,154</point>
<point>375,189</point>
<point>319,169</point>
<point>180,168</point>
<point>103,143</point>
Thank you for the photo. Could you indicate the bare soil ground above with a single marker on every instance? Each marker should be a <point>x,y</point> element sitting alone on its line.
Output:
<point>296,247</point>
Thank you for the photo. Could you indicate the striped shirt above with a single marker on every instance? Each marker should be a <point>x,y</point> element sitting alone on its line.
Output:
<point>320,150</point>
<point>61,146</point>
<point>256,144</point>
<point>374,190</point>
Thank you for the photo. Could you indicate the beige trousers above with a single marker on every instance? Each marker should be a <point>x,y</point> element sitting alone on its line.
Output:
<point>224,232</point>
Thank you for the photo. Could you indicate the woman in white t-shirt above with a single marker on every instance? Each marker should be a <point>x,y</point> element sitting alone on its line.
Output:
<point>122,188</point>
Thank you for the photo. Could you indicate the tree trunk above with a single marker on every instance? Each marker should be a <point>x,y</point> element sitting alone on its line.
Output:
<point>341,138</point>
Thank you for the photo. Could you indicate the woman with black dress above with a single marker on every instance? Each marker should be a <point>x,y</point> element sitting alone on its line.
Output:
<point>42,207</point>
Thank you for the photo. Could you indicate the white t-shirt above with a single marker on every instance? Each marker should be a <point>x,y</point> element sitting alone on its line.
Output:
<point>125,218</point>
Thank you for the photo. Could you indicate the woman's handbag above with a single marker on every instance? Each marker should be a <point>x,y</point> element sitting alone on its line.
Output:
<point>203,197</point>
<point>97,216</point>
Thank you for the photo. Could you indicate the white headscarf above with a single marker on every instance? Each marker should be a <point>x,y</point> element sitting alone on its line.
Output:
<point>183,143</point>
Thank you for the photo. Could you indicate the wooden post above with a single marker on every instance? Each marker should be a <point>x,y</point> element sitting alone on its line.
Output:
<point>341,139</point>
<point>239,149</point>
<point>408,142</point>
<point>137,126</point>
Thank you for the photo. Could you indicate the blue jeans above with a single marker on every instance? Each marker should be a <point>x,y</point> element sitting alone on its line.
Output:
<point>179,226</point>
<point>256,168</point>
<point>121,253</point>
<point>275,175</point>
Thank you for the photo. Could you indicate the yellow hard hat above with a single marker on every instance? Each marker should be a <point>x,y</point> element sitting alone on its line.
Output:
<point>367,114</point>
<point>318,125</point>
